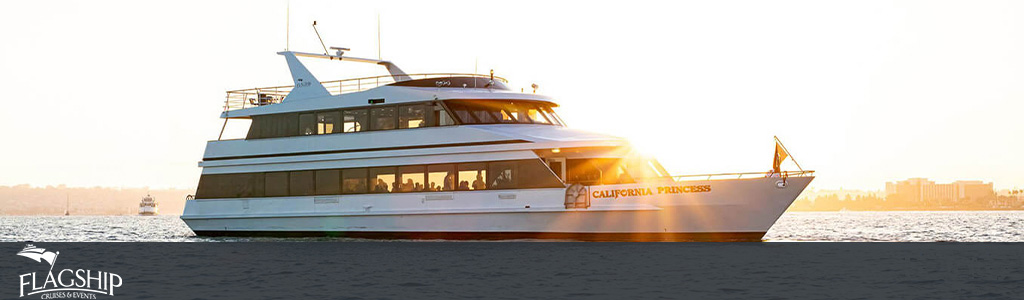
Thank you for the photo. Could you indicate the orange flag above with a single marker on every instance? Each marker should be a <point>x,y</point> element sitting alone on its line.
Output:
<point>780,155</point>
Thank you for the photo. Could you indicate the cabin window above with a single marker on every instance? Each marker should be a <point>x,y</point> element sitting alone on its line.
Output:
<point>441,177</point>
<point>382,180</point>
<point>328,122</point>
<point>356,120</point>
<point>411,178</point>
<point>276,184</point>
<point>382,118</point>
<point>502,111</point>
<point>442,117</point>
<point>300,183</point>
<point>230,186</point>
<point>502,175</point>
<point>412,116</point>
<point>353,181</point>
<point>472,176</point>
<point>529,173</point>
<point>598,171</point>
<point>328,182</point>
<point>307,124</point>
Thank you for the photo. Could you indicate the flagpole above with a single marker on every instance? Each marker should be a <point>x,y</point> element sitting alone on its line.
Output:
<point>787,152</point>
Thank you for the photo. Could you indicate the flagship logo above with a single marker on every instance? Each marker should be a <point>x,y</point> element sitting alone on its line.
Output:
<point>66,283</point>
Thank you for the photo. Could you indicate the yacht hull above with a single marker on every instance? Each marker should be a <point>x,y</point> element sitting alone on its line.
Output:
<point>713,210</point>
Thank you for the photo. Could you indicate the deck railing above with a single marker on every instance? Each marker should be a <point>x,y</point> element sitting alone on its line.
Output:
<point>782,174</point>
<point>239,99</point>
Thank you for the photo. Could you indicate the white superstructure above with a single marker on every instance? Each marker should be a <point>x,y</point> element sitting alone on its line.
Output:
<point>453,156</point>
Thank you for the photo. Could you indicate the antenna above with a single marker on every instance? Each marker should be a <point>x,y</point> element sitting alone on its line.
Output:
<point>378,37</point>
<point>321,39</point>
<point>287,25</point>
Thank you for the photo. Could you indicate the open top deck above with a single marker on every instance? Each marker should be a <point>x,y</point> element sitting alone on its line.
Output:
<point>261,96</point>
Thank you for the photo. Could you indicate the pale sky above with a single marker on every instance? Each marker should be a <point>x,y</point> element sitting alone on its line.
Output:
<point>127,93</point>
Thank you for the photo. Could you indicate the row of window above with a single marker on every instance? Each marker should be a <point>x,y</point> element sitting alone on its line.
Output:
<point>388,117</point>
<point>349,120</point>
<point>499,111</point>
<point>515,174</point>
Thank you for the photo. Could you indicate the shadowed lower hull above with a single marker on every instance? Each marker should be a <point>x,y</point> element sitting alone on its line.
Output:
<point>594,237</point>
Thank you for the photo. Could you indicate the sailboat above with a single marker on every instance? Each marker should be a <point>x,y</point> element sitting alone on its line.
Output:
<point>67,206</point>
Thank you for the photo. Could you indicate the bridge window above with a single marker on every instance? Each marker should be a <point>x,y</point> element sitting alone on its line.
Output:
<point>502,111</point>
<point>503,175</point>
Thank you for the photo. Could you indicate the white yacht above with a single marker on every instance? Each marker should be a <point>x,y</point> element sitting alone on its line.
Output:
<point>453,156</point>
<point>148,206</point>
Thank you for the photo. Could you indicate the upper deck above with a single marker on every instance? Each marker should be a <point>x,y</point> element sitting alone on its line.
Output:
<point>263,96</point>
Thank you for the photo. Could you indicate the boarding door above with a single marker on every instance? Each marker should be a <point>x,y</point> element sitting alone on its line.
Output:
<point>557,165</point>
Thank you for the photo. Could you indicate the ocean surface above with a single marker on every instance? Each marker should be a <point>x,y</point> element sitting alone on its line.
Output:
<point>915,226</point>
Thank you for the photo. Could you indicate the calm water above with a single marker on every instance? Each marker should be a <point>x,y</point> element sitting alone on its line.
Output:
<point>963,226</point>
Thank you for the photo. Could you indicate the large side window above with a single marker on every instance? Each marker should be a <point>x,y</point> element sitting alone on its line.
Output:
<point>230,186</point>
<point>353,181</point>
<point>382,118</point>
<point>441,177</point>
<point>328,122</point>
<point>412,116</point>
<point>276,184</point>
<point>472,176</point>
<point>503,175</point>
<point>328,182</point>
<point>300,183</point>
<point>382,180</point>
<point>411,178</point>
<point>356,120</point>
<point>534,173</point>
<point>307,124</point>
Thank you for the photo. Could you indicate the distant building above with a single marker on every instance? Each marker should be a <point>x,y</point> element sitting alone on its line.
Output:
<point>924,191</point>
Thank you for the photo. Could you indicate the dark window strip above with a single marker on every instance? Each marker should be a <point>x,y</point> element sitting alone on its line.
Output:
<point>370,149</point>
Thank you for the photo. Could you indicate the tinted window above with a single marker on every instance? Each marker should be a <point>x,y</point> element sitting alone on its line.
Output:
<point>502,175</point>
<point>382,118</point>
<point>328,182</point>
<point>382,180</point>
<point>411,179</point>
<point>356,120</point>
<point>307,124</point>
<point>300,183</point>
<point>328,122</point>
<point>230,186</point>
<point>472,176</point>
<point>502,111</point>
<point>277,184</point>
<point>441,177</point>
<point>412,116</point>
<point>353,181</point>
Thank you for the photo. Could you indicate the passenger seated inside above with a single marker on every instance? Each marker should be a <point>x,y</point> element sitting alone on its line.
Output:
<point>478,183</point>
<point>381,186</point>
<point>464,185</point>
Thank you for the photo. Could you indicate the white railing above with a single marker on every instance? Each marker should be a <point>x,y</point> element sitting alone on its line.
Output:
<point>239,99</point>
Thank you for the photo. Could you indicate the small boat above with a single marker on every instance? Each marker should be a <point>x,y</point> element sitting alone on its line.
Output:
<point>148,206</point>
